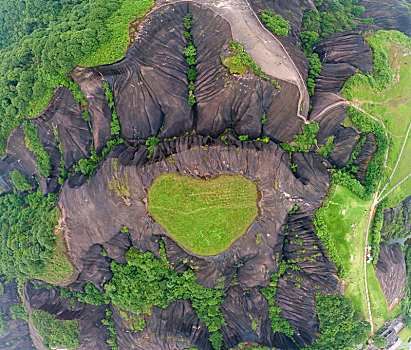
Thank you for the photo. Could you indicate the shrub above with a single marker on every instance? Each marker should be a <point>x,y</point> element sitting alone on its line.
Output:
<point>20,181</point>
<point>34,145</point>
<point>146,281</point>
<point>275,22</point>
<point>278,324</point>
<point>304,142</point>
<point>108,321</point>
<point>19,311</point>
<point>115,124</point>
<point>3,321</point>
<point>151,142</point>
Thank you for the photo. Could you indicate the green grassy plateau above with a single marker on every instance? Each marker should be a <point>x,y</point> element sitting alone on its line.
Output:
<point>393,107</point>
<point>204,216</point>
<point>345,209</point>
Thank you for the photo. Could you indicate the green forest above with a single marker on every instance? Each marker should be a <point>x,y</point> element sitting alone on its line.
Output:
<point>41,41</point>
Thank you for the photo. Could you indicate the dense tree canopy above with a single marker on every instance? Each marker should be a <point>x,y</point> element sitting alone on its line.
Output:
<point>26,233</point>
<point>55,333</point>
<point>338,325</point>
<point>40,42</point>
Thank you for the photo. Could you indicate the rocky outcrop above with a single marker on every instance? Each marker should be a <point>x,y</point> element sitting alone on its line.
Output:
<point>341,54</point>
<point>397,221</point>
<point>389,14</point>
<point>93,334</point>
<point>16,336</point>
<point>150,84</point>
<point>391,273</point>
<point>251,260</point>
<point>62,115</point>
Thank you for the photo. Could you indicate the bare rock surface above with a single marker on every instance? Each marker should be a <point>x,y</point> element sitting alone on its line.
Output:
<point>17,335</point>
<point>389,14</point>
<point>391,273</point>
<point>93,334</point>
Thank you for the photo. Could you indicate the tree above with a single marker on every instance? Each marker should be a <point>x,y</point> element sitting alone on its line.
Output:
<point>55,333</point>
<point>379,341</point>
<point>275,22</point>
<point>339,329</point>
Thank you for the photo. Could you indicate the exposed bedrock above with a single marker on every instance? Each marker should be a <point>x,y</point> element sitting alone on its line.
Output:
<point>389,14</point>
<point>16,336</point>
<point>391,273</point>
<point>63,115</point>
<point>397,221</point>
<point>193,156</point>
<point>341,54</point>
<point>175,327</point>
<point>93,334</point>
<point>151,89</point>
<point>291,11</point>
<point>365,156</point>
<point>249,259</point>
<point>90,84</point>
<point>18,158</point>
<point>345,141</point>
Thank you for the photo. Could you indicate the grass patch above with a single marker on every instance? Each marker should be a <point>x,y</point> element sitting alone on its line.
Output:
<point>379,309</point>
<point>204,216</point>
<point>392,106</point>
<point>344,209</point>
<point>118,28</point>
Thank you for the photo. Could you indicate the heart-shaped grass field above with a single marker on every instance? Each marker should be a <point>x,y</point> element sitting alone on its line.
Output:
<point>204,216</point>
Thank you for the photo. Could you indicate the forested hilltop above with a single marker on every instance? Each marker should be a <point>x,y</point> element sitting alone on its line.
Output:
<point>204,175</point>
<point>41,41</point>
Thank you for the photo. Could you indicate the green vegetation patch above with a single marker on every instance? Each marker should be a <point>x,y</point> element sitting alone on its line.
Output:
<point>204,216</point>
<point>238,62</point>
<point>31,246</point>
<point>338,324</point>
<point>275,22</point>
<point>20,181</point>
<point>56,333</point>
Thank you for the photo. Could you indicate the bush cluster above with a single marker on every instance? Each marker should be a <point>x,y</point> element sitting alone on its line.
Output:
<point>20,181</point>
<point>275,22</point>
<point>339,328</point>
<point>109,322</point>
<point>34,145</point>
<point>190,52</point>
<point>19,311</point>
<point>376,166</point>
<point>239,62</point>
<point>114,124</point>
<point>278,324</point>
<point>326,149</point>
<point>304,142</point>
<point>88,165</point>
<point>55,333</point>
<point>26,233</point>
<point>63,172</point>
<point>151,143</point>
<point>146,281</point>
